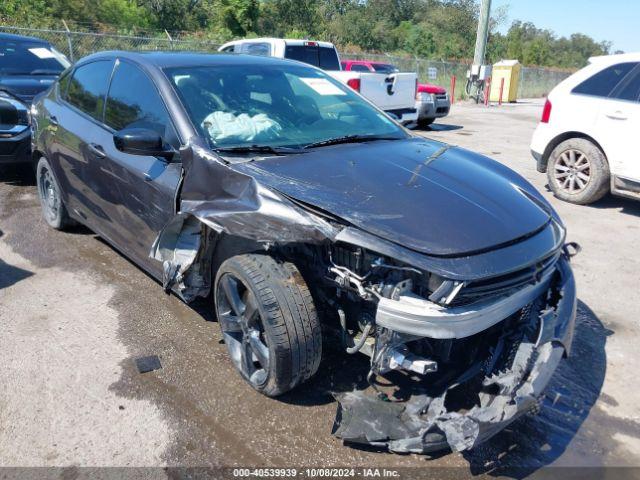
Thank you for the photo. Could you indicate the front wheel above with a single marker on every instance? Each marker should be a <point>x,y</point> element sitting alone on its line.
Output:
<point>268,321</point>
<point>578,172</point>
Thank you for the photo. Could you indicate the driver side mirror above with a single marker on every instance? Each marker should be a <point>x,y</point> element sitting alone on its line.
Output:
<point>142,141</point>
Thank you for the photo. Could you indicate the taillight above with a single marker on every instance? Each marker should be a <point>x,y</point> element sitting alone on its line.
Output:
<point>354,83</point>
<point>546,112</point>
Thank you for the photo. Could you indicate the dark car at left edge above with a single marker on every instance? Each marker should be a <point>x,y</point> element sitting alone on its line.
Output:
<point>28,67</point>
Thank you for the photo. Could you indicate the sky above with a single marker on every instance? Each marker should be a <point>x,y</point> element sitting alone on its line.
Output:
<point>614,20</point>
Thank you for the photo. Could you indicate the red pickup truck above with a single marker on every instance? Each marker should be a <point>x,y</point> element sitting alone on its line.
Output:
<point>431,101</point>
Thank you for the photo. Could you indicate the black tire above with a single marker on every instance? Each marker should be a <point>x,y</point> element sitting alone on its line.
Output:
<point>287,323</point>
<point>578,172</point>
<point>53,210</point>
<point>425,122</point>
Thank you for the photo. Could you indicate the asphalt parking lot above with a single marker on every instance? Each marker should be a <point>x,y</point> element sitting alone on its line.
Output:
<point>75,313</point>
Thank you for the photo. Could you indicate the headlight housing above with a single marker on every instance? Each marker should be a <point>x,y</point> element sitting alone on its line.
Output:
<point>426,97</point>
<point>13,111</point>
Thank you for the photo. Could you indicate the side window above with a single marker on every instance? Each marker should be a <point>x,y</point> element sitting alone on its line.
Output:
<point>602,83</point>
<point>629,89</point>
<point>134,102</point>
<point>257,49</point>
<point>88,87</point>
<point>355,67</point>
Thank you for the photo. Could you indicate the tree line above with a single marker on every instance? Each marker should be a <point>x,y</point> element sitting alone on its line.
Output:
<point>435,29</point>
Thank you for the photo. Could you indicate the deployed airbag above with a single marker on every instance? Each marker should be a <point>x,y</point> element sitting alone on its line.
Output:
<point>224,127</point>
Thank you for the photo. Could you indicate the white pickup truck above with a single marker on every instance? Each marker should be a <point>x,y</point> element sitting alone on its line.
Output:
<point>395,93</point>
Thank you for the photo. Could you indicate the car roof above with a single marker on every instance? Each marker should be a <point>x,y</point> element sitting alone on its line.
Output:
<point>163,60</point>
<point>22,38</point>
<point>288,41</point>
<point>620,57</point>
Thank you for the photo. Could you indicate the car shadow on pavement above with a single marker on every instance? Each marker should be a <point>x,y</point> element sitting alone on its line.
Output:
<point>18,175</point>
<point>533,442</point>
<point>438,127</point>
<point>626,205</point>
<point>10,275</point>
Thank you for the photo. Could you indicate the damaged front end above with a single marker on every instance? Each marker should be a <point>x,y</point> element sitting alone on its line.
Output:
<point>471,367</point>
<point>468,342</point>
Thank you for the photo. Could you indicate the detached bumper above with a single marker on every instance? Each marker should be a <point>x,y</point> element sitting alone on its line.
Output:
<point>423,423</point>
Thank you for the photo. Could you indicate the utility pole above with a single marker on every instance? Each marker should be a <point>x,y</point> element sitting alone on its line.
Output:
<point>478,73</point>
<point>483,33</point>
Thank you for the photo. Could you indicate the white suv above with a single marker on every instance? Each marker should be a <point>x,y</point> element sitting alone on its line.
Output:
<point>588,141</point>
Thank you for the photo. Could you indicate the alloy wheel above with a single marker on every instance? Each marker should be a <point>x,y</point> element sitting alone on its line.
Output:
<point>572,171</point>
<point>242,328</point>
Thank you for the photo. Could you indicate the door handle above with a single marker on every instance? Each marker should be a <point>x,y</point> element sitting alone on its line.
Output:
<point>617,115</point>
<point>97,150</point>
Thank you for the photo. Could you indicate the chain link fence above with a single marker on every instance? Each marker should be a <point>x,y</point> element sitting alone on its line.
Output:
<point>534,82</point>
<point>76,45</point>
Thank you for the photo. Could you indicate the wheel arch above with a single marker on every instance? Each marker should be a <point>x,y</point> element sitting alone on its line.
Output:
<point>568,136</point>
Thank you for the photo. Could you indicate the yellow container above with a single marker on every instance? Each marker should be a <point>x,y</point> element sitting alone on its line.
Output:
<point>509,70</point>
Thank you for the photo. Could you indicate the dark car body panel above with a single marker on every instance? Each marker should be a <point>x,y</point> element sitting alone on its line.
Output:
<point>411,192</point>
<point>125,198</point>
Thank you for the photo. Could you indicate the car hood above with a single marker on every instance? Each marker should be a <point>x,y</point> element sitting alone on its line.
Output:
<point>428,88</point>
<point>424,195</point>
<point>25,87</point>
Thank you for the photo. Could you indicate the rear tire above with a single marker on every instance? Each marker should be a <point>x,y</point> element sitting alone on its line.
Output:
<point>268,321</point>
<point>578,172</point>
<point>53,210</point>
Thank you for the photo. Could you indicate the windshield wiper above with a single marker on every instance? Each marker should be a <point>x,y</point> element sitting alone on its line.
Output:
<point>258,149</point>
<point>350,139</point>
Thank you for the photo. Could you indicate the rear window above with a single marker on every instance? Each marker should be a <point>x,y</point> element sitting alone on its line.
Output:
<point>324,57</point>
<point>24,58</point>
<point>384,68</point>
<point>602,83</point>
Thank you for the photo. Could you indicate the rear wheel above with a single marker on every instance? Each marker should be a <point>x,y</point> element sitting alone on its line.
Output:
<point>268,321</point>
<point>53,210</point>
<point>578,172</point>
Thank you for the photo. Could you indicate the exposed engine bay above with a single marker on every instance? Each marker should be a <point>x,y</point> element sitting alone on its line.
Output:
<point>459,389</point>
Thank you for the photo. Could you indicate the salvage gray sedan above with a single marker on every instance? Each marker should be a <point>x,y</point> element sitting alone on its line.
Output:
<point>307,216</point>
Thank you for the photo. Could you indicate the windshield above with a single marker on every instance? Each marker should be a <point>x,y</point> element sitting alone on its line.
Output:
<point>23,58</point>
<point>276,105</point>
<point>384,68</point>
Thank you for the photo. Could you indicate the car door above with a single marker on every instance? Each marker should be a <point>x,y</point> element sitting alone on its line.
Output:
<point>619,124</point>
<point>137,191</point>
<point>72,121</point>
